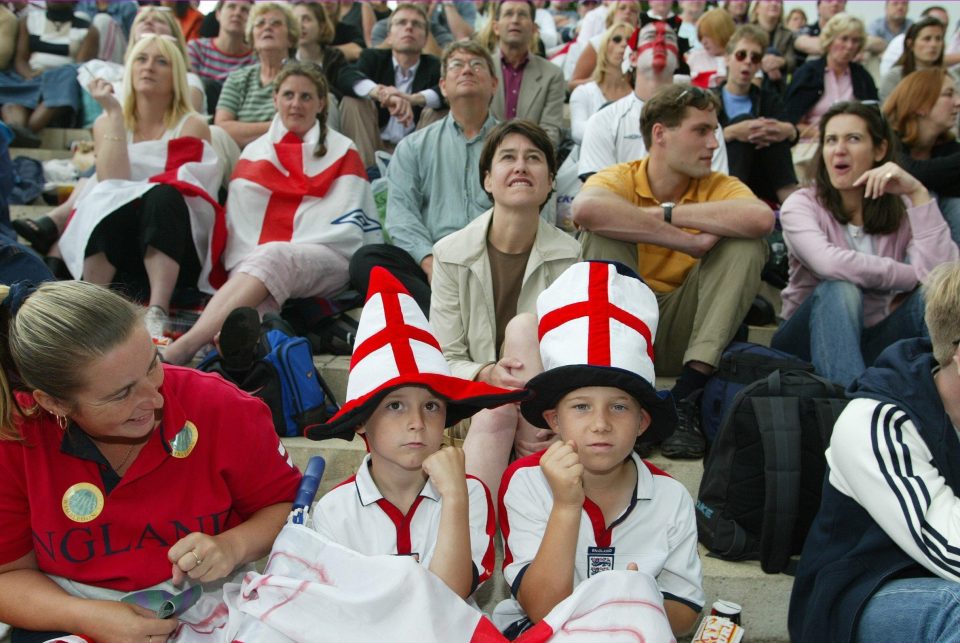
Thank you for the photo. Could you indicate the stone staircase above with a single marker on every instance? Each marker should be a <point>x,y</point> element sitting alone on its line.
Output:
<point>764,597</point>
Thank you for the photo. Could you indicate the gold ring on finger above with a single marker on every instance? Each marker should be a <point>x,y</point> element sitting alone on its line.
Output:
<point>197,556</point>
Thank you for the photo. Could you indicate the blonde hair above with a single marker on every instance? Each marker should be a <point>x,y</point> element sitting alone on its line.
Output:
<point>600,69</point>
<point>717,25</point>
<point>612,12</point>
<point>840,24</point>
<point>52,339</point>
<point>180,102</point>
<point>293,27</point>
<point>941,294</point>
<point>168,18</point>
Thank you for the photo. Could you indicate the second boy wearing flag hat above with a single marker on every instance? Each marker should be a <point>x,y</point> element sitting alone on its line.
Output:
<point>588,504</point>
<point>596,329</point>
<point>410,497</point>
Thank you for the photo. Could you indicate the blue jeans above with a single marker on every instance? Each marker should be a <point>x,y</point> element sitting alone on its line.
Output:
<point>920,610</point>
<point>827,330</point>
<point>19,263</point>
<point>950,208</point>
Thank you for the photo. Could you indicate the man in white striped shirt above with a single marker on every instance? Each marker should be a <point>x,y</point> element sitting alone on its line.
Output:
<point>882,560</point>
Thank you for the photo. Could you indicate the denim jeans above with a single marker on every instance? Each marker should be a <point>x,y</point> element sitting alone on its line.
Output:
<point>17,263</point>
<point>950,208</point>
<point>919,610</point>
<point>827,330</point>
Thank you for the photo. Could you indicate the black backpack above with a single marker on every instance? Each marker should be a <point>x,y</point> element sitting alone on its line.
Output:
<point>742,363</point>
<point>763,476</point>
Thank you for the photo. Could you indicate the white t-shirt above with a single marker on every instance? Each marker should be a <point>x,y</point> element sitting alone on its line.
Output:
<point>613,136</point>
<point>585,101</point>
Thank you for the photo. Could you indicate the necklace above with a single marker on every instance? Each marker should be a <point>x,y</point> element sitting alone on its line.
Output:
<point>126,459</point>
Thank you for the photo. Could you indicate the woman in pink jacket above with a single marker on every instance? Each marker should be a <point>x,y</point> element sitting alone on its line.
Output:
<point>861,240</point>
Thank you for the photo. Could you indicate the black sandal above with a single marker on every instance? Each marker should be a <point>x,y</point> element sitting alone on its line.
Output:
<point>41,232</point>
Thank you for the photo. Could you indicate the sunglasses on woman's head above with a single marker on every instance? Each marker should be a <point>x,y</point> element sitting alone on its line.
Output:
<point>741,55</point>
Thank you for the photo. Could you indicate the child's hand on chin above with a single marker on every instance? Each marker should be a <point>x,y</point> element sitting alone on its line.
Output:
<point>561,466</point>
<point>447,470</point>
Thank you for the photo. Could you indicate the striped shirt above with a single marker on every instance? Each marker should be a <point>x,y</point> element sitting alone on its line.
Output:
<point>209,62</point>
<point>244,96</point>
<point>878,457</point>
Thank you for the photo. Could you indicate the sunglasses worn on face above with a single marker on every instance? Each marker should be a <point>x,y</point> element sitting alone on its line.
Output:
<point>617,40</point>
<point>741,55</point>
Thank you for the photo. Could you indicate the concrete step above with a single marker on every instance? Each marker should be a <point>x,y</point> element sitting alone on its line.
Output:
<point>58,138</point>
<point>28,211</point>
<point>40,153</point>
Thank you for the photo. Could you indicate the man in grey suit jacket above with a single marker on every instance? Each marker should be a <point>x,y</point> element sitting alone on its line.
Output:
<point>530,87</point>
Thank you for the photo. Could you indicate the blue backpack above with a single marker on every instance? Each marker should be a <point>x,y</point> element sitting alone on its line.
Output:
<point>286,379</point>
<point>741,364</point>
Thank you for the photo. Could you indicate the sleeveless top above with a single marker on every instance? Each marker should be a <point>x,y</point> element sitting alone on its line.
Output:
<point>173,132</point>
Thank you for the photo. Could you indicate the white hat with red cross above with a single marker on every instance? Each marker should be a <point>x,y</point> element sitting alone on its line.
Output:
<point>395,347</point>
<point>597,323</point>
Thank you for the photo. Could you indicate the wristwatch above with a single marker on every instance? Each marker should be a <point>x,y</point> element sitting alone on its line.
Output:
<point>668,207</point>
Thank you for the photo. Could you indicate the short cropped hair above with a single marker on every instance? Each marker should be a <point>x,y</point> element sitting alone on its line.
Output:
<point>751,33</point>
<point>941,293</point>
<point>469,46</point>
<point>293,25</point>
<point>497,5</point>
<point>840,24</point>
<point>668,106</point>
<point>530,131</point>
<point>410,6</point>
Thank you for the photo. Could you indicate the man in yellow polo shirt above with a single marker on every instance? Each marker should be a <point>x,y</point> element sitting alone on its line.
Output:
<point>696,237</point>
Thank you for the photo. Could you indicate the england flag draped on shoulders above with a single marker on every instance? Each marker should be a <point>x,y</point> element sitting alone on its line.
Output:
<point>187,163</point>
<point>281,191</point>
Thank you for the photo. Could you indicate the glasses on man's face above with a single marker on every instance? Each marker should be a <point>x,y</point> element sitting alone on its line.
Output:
<point>457,65</point>
<point>755,57</point>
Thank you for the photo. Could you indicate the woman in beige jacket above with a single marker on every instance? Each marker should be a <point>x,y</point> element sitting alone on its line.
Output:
<point>486,280</point>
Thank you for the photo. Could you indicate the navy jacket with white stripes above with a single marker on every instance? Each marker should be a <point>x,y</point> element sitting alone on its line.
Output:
<point>848,555</point>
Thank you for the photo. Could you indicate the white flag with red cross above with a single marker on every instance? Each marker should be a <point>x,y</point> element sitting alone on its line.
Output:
<point>281,191</point>
<point>315,590</point>
<point>187,163</point>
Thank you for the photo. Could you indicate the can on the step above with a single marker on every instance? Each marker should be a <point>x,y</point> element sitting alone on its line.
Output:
<point>727,609</point>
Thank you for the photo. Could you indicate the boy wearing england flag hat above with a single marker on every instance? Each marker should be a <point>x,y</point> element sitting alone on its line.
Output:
<point>409,497</point>
<point>588,503</point>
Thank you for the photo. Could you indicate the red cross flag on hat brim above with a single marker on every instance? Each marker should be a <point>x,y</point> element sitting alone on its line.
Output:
<point>596,328</point>
<point>395,347</point>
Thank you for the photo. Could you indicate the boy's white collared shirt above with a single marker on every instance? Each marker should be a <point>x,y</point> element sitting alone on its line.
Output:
<point>356,515</point>
<point>658,533</point>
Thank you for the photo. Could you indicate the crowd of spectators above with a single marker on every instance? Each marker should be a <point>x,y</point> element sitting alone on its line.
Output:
<point>238,156</point>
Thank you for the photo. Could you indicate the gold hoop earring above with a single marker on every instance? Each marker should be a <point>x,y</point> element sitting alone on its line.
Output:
<point>62,422</point>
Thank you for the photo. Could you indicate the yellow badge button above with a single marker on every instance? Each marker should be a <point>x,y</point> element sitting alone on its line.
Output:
<point>183,442</point>
<point>82,502</point>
